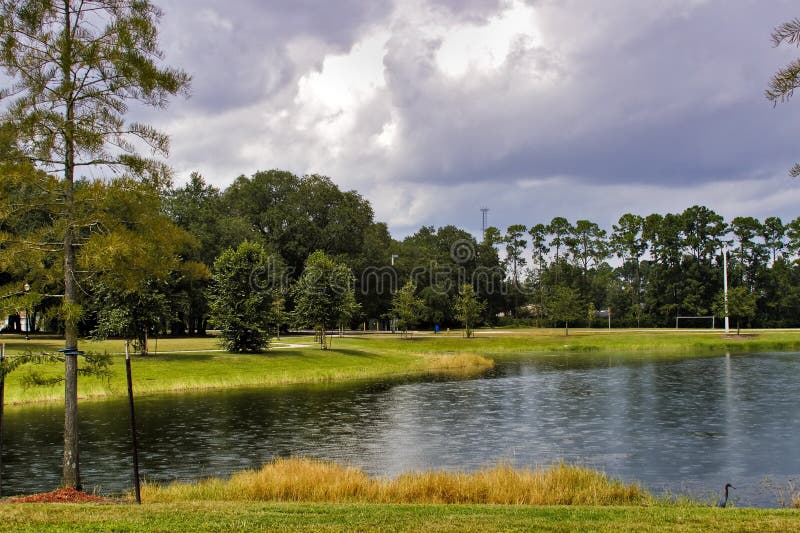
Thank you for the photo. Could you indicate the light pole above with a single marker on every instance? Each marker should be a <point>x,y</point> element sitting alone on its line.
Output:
<point>725,286</point>
<point>26,289</point>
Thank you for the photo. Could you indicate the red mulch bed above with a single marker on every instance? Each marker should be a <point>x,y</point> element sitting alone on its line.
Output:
<point>67,495</point>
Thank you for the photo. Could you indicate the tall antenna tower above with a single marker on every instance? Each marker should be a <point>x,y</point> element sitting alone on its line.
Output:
<point>484,216</point>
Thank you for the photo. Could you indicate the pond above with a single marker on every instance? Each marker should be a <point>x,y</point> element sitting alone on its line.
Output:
<point>681,425</point>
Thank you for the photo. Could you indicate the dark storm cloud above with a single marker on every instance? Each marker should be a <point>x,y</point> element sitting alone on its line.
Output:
<point>635,103</point>
<point>237,51</point>
<point>676,98</point>
<point>470,10</point>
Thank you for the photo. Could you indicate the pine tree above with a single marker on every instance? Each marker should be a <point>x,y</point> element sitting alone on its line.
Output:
<point>75,67</point>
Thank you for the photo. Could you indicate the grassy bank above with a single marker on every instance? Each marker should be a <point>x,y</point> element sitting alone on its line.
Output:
<point>256,516</point>
<point>195,364</point>
<point>511,341</point>
<point>192,364</point>
<point>310,495</point>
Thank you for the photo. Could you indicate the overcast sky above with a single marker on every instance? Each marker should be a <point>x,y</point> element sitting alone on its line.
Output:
<point>434,108</point>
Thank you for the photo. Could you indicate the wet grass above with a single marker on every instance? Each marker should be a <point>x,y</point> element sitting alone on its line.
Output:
<point>259,516</point>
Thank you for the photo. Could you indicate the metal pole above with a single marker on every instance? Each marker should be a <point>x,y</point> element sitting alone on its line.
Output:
<point>725,286</point>
<point>2,399</point>
<point>609,318</point>
<point>136,483</point>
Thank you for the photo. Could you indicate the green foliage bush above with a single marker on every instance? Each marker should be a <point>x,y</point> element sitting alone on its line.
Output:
<point>240,308</point>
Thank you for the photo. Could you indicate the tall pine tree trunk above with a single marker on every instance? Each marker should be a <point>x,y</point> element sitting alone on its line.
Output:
<point>71,476</point>
<point>71,472</point>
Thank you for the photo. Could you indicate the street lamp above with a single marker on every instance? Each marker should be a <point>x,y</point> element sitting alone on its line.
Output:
<point>26,289</point>
<point>725,286</point>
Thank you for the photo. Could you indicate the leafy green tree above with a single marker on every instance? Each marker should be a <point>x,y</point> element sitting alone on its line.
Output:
<point>133,261</point>
<point>783,83</point>
<point>703,230</point>
<point>741,305</point>
<point>376,279</point>
<point>199,209</point>
<point>559,229</point>
<point>538,233</point>
<point>240,305</point>
<point>664,236</point>
<point>437,305</point>
<point>488,279</point>
<point>515,250</point>
<point>278,312</point>
<point>587,243</point>
<point>591,313</point>
<point>779,295</point>
<point>407,308</point>
<point>492,236</point>
<point>565,306</point>
<point>296,216</point>
<point>793,236</point>
<point>323,295</point>
<point>439,261</point>
<point>628,244</point>
<point>773,232</point>
<point>468,309</point>
<point>75,66</point>
<point>130,314</point>
<point>751,255</point>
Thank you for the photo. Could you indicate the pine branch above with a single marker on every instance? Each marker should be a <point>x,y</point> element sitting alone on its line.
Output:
<point>788,32</point>
<point>783,83</point>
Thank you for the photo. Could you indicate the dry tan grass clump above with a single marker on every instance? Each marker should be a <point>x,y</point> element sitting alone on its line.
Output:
<point>558,485</point>
<point>310,480</point>
<point>460,362</point>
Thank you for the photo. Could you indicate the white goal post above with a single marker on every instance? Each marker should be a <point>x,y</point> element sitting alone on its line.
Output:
<point>679,318</point>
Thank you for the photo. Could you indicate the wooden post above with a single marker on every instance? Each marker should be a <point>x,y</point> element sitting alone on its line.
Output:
<point>136,483</point>
<point>2,391</point>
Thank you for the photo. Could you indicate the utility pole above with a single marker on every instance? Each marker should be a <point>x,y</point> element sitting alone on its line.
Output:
<point>725,285</point>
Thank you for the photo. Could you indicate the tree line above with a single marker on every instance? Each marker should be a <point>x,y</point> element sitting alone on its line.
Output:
<point>157,259</point>
<point>649,270</point>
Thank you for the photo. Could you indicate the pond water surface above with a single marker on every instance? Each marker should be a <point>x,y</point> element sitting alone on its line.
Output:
<point>686,426</point>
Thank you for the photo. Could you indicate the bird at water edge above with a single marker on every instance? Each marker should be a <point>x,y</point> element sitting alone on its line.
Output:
<point>724,501</point>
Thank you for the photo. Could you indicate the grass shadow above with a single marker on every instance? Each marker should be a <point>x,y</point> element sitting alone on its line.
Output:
<point>183,357</point>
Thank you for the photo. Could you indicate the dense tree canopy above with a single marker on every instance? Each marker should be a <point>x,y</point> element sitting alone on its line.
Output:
<point>648,269</point>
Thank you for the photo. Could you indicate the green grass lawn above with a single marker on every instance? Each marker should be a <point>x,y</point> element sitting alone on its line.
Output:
<point>187,364</point>
<point>178,370</point>
<point>227,516</point>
